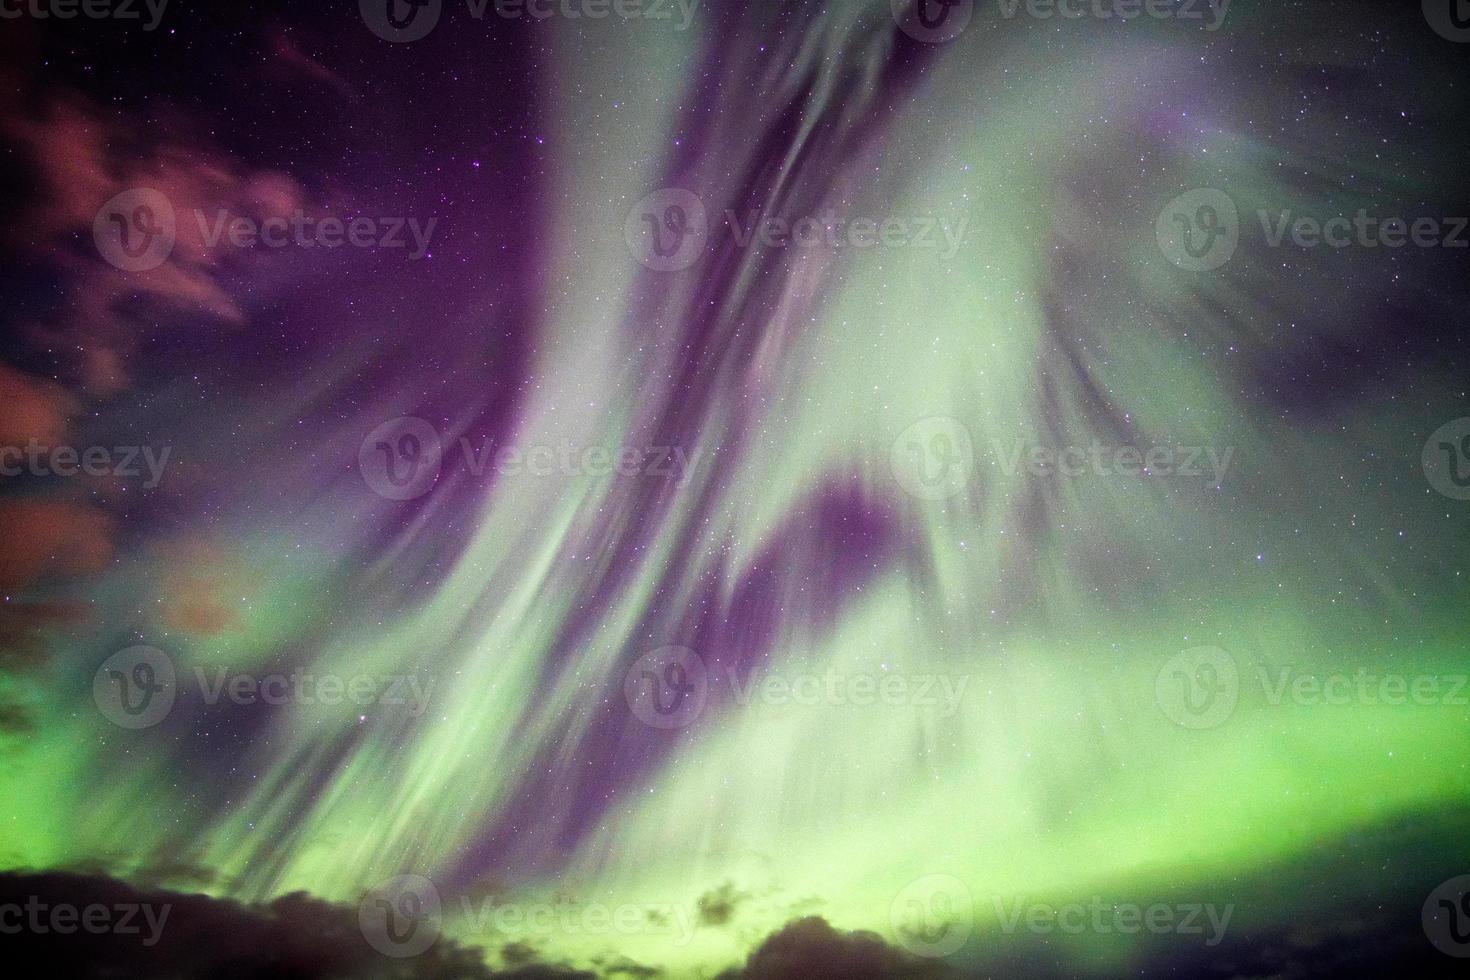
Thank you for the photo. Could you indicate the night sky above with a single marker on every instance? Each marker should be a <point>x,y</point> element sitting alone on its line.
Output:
<point>737,488</point>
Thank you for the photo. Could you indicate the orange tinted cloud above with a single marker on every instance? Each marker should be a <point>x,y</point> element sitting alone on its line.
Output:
<point>31,408</point>
<point>47,538</point>
<point>201,590</point>
<point>71,147</point>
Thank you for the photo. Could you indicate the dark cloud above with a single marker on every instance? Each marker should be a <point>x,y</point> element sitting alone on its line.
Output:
<point>717,906</point>
<point>810,947</point>
<point>1334,935</point>
<point>623,967</point>
<point>201,938</point>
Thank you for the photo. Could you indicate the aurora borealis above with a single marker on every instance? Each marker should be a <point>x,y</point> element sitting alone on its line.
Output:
<point>736,489</point>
